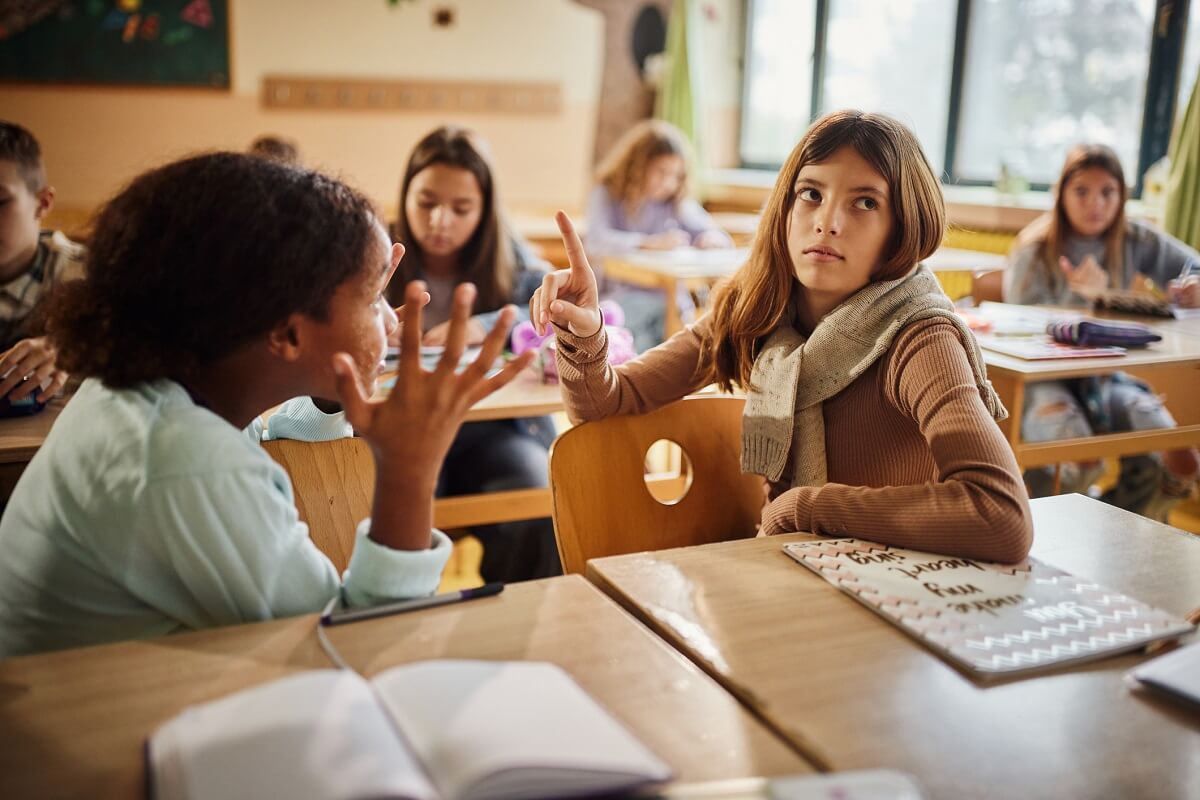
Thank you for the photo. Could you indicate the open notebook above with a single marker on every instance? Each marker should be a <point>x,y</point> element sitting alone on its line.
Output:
<point>432,729</point>
<point>992,620</point>
<point>1043,348</point>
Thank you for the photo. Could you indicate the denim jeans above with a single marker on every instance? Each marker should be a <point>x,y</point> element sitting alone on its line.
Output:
<point>1053,411</point>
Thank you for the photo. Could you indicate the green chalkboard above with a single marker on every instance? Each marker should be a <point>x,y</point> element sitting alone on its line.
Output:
<point>141,42</point>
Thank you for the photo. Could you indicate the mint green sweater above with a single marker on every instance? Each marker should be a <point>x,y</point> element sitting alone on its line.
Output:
<point>144,514</point>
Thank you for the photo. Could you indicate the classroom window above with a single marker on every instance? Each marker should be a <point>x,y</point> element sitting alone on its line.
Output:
<point>983,83</point>
<point>778,90</point>
<point>895,57</point>
<point>1041,76</point>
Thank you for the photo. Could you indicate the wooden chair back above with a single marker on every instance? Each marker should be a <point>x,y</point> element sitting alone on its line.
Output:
<point>334,484</point>
<point>603,505</point>
<point>988,285</point>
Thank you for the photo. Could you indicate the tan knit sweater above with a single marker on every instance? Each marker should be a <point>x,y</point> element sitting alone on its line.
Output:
<point>914,459</point>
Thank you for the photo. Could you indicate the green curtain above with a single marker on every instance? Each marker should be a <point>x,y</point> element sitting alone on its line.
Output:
<point>678,99</point>
<point>1181,217</point>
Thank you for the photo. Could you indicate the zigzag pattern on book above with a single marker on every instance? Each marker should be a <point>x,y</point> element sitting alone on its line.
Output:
<point>1039,655</point>
<point>1048,632</point>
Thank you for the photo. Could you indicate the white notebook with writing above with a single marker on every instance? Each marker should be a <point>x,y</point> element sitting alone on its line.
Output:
<point>993,620</point>
<point>489,730</point>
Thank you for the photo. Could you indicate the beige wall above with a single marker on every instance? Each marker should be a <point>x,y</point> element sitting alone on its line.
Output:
<point>95,139</point>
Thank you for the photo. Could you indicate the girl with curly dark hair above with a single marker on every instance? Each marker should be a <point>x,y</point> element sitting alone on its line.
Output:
<point>217,287</point>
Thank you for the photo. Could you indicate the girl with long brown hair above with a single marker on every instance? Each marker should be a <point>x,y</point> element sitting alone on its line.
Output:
<point>451,220</point>
<point>868,409</point>
<point>1069,256</point>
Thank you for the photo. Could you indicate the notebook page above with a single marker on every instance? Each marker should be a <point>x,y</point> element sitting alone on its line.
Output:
<point>512,729</point>
<point>313,736</point>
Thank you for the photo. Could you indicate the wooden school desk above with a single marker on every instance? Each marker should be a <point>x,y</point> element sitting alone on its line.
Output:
<point>955,268</point>
<point>525,396</point>
<point>668,270</point>
<point>20,438</point>
<point>1171,366</point>
<point>842,683</point>
<point>72,724</point>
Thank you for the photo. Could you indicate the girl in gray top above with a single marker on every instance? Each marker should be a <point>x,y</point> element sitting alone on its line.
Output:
<point>1069,256</point>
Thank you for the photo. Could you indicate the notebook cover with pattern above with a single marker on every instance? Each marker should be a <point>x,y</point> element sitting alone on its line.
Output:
<point>993,620</point>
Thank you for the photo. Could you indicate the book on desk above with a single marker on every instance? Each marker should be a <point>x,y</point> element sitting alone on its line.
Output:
<point>1043,348</point>
<point>427,730</point>
<point>992,620</point>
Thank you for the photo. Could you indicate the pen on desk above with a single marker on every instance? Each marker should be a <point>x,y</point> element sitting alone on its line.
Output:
<point>357,614</point>
<point>1192,618</point>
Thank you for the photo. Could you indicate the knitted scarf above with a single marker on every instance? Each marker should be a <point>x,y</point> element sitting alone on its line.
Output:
<point>793,375</point>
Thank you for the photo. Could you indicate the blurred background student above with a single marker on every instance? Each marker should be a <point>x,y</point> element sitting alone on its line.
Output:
<point>1069,256</point>
<point>641,202</point>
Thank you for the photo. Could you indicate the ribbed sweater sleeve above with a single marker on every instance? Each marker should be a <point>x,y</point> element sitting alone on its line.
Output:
<point>593,389</point>
<point>976,507</point>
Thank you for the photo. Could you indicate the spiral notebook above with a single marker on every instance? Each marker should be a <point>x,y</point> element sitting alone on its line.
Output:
<point>992,620</point>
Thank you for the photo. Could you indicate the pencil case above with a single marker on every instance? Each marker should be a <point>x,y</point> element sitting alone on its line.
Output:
<point>1093,333</point>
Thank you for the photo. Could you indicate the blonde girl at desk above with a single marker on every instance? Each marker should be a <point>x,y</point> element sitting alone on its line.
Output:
<point>867,408</point>
<point>641,202</point>
<point>1082,247</point>
<point>215,288</point>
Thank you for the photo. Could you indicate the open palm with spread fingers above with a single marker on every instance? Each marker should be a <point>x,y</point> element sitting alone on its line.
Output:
<point>1088,279</point>
<point>568,297</point>
<point>411,430</point>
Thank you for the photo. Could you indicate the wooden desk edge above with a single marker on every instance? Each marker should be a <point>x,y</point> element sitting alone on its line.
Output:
<point>798,742</point>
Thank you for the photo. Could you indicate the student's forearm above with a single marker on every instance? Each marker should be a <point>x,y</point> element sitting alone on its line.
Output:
<point>402,516</point>
<point>988,519</point>
<point>593,389</point>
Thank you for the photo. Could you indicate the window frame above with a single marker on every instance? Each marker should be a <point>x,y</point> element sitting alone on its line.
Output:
<point>1168,35</point>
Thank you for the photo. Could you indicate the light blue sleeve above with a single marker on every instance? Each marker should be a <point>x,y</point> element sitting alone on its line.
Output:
<point>228,547</point>
<point>695,220</point>
<point>604,236</point>
<point>300,419</point>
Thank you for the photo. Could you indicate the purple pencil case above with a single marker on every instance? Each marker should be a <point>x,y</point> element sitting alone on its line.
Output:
<point>1093,333</point>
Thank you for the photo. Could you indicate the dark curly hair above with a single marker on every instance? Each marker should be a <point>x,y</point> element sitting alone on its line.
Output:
<point>196,258</point>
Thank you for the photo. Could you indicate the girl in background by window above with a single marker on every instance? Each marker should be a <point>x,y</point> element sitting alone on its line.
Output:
<point>641,201</point>
<point>1069,256</point>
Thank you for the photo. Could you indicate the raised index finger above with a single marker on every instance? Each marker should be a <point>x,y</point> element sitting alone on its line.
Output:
<point>575,254</point>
